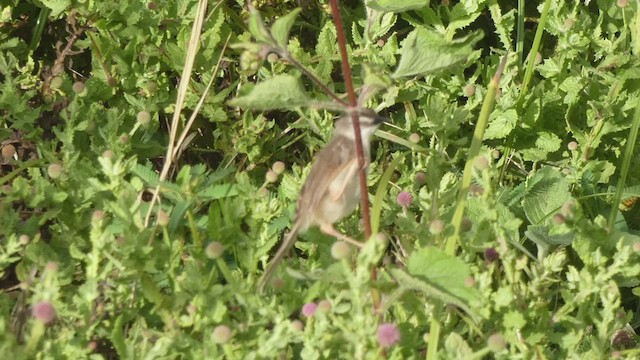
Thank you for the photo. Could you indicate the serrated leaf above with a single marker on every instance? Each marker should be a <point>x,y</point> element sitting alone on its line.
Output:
<point>409,282</point>
<point>117,336</point>
<point>425,51</point>
<point>463,14</point>
<point>443,270</point>
<point>397,5</point>
<point>281,27</point>
<point>218,191</point>
<point>547,141</point>
<point>504,24</point>
<point>279,92</point>
<point>501,124</point>
<point>546,191</point>
<point>57,6</point>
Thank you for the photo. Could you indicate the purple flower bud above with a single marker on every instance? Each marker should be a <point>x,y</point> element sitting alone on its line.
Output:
<point>388,335</point>
<point>491,255</point>
<point>43,311</point>
<point>309,309</point>
<point>404,198</point>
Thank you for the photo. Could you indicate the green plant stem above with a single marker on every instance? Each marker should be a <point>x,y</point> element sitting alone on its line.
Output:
<point>474,150</point>
<point>626,162</point>
<point>434,331</point>
<point>520,32</point>
<point>383,185</point>
<point>528,74</point>
<point>531,61</point>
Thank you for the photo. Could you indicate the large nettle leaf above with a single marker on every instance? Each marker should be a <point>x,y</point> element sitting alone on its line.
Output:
<point>279,92</point>
<point>546,192</point>
<point>426,51</point>
<point>441,276</point>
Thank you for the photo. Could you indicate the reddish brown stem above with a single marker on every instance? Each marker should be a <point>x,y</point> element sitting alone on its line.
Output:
<point>364,194</point>
<point>353,102</point>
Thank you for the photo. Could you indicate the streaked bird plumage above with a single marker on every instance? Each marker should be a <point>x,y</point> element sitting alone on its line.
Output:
<point>331,190</point>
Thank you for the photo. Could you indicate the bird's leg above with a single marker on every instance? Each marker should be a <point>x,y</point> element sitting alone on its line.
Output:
<point>329,230</point>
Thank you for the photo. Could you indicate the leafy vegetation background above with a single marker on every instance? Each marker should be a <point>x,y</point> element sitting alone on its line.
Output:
<point>545,265</point>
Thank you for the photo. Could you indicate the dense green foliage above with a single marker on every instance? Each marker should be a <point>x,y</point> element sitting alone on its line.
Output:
<point>543,265</point>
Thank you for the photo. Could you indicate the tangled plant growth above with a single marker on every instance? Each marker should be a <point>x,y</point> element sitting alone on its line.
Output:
<point>514,239</point>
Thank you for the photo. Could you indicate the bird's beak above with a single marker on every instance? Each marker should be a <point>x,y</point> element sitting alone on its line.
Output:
<point>380,119</point>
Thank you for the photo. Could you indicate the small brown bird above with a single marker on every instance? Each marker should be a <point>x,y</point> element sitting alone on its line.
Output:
<point>331,190</point>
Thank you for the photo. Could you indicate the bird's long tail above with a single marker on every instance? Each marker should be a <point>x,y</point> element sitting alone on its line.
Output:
<point>287,243</point>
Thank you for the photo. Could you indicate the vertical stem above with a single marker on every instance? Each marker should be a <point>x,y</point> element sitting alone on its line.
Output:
<point>474,150</point>
<point>531,57</point>
<point>520,32</point>
<point>346,71</point>
<point>624,168</point>
<point>353,102</point>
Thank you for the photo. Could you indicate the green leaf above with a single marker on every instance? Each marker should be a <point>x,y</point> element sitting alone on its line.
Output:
<point>397,5</point>
<point>57,6</point>
<point>548,141</point>
<point>279,92</point>
<point>407,281</point>
<point>463,14</point>
<point>504,24</point>
<point>514,320</point>
<point>501,124</point>
<point>256,27</point>
<point>281,27</point>
<point>546,191</point>
<point>117,336</point>
<point>425,51</point>
<point>218,191</point>
<point>456,347</point>
<point>442,270</point>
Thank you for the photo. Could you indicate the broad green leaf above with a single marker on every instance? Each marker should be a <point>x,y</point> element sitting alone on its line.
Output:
<point>279,92</point>
<point>546,191</point>
<point>397,5</point>
<point>548,141</point>
<point>57,6</point>
<point>456,347</point>
<point>442,270</point>
<point>501,124</point>
<point>514,320</point>
<point>281,27</point>
<point>540,235</point>
<point>425,51</point>
<point>409,282</point>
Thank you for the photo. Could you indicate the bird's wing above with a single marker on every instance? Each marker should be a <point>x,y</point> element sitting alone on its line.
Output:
<point>334,166</point>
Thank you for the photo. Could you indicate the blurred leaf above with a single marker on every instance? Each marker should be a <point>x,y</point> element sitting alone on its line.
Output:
<point>278,92</point>
<point>256,26</point>
<point>434,291</point>
<point>425,52</point>
<point>501,124</point>
<point>57,6</point>
<point>281,27</point>
<point>397,5</point>
<point>545,193</point>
